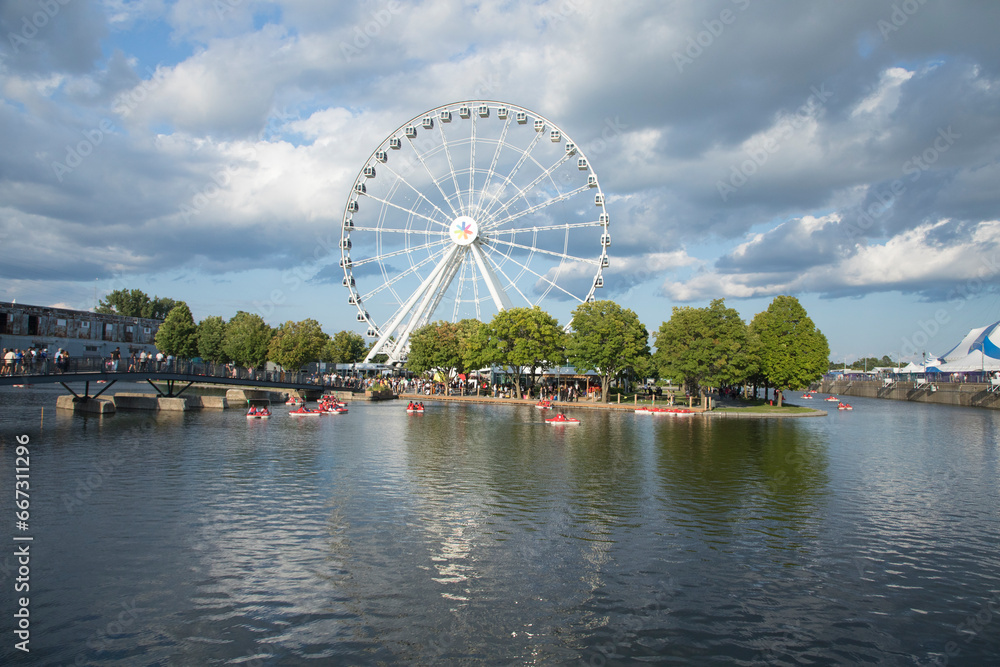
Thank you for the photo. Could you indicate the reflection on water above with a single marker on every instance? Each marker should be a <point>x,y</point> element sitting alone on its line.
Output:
<point>479,534</point>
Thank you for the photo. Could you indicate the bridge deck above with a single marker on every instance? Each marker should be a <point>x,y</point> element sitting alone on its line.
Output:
<point>94,371</point>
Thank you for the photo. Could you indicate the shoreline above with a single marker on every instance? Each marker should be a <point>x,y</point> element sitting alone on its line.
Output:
<point>614,407</point>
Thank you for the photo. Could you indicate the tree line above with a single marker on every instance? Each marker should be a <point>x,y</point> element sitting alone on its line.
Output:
<point>245,339</point>
<point>698,347</point>
<point>779,348</point>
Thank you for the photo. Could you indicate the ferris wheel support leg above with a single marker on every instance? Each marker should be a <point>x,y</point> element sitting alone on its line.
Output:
<point>428,284</point>
<point>500,298</point>
<point>432,297</point>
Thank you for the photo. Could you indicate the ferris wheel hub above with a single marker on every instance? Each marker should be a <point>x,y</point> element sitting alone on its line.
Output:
<point>463,230</point>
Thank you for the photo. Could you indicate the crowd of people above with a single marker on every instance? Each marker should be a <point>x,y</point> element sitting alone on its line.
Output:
<point>32,360</point>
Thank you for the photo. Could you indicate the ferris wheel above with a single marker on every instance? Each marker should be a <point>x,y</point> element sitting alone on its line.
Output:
<point>465,210</point>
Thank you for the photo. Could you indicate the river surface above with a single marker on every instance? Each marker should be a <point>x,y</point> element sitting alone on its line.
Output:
<point>477,534</point>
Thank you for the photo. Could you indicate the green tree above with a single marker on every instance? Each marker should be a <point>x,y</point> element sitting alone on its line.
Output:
<point>606,338</point>
<point>247,339</point>
<point>705,346</point>
<point>211,335</point>
<point>297,343</point>
<point>525,339</point>
<point>794,352</point>
<point>178,333</point>
<point>158,307</point>
<point>469,344</point>
<point>135,303</point>
<point>345,347</point>
<point>127,303</point>
<point>436,346</point>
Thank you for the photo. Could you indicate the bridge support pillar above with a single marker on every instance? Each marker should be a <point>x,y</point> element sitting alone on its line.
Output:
<point>91,406</point>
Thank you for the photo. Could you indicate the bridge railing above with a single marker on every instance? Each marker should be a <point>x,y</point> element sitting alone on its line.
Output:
<point>87,365</point>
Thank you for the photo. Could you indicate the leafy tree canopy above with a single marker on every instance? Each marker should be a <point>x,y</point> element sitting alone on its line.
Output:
<point>297,343</point>
<point>177,334</point>
<point>135,303</point>
<point>705,346</point>
<point>606,338</point>
<point>211,335</point>
<point>793,351</point>
<point>345,347</point>
<point>524,339</point>
<point>247,339</point>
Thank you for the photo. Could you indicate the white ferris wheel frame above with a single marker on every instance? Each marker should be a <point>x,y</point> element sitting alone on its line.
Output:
<point>471,234</point>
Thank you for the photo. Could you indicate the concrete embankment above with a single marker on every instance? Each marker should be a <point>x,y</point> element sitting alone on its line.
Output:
<point>965,394</point>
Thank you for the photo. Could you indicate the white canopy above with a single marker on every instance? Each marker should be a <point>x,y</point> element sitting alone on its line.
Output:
<point>974,361</point>
<point>986,339</point>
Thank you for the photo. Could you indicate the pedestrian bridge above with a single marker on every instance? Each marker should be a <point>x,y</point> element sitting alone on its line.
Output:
<point>173,374</point>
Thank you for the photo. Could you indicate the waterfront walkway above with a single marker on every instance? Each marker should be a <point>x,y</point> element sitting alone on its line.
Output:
<point>95,371</point>
<point>626,406</point>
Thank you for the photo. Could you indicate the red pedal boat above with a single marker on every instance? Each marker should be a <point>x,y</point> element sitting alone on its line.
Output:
<point>562,419</point>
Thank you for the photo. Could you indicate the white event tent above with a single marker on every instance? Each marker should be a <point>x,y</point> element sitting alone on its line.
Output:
<point>978,351</point>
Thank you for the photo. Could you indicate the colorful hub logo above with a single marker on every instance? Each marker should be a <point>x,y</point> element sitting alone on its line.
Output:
<point>463,230</point>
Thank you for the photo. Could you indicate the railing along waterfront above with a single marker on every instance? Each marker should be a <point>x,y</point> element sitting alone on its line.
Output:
<point>82,367</point>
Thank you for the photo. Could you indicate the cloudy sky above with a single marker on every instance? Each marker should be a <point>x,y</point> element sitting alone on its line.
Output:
<point>842,152</point>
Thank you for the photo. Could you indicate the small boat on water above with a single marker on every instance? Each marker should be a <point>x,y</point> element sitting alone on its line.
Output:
<point>544,405</point>
<point>562,419</point>
<point>831,398</point>
<point>295,400</point>
<point>260,410</point>
<point>844,406</point>
<point>415,408</point>
<point>333,408</point>
<point>303,411</point>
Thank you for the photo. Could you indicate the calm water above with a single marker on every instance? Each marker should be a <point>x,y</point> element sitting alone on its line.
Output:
<point>479,535</point>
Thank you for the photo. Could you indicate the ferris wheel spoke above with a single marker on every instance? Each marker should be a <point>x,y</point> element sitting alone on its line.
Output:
<point>472,165</point>
<point>538,207</point>
<point>549,228</point>
<point>538,179</point>
<point>513,172</point>
<point>437,184</point>
<point>552,283</point>
<point>451,165</point>
<point>493,164</point>
<point>408,211</point>
<point>560,255</point>
<point>394,230</point>
<point>395,253</point>
<point>402,179</point>
<point>395,279</point>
